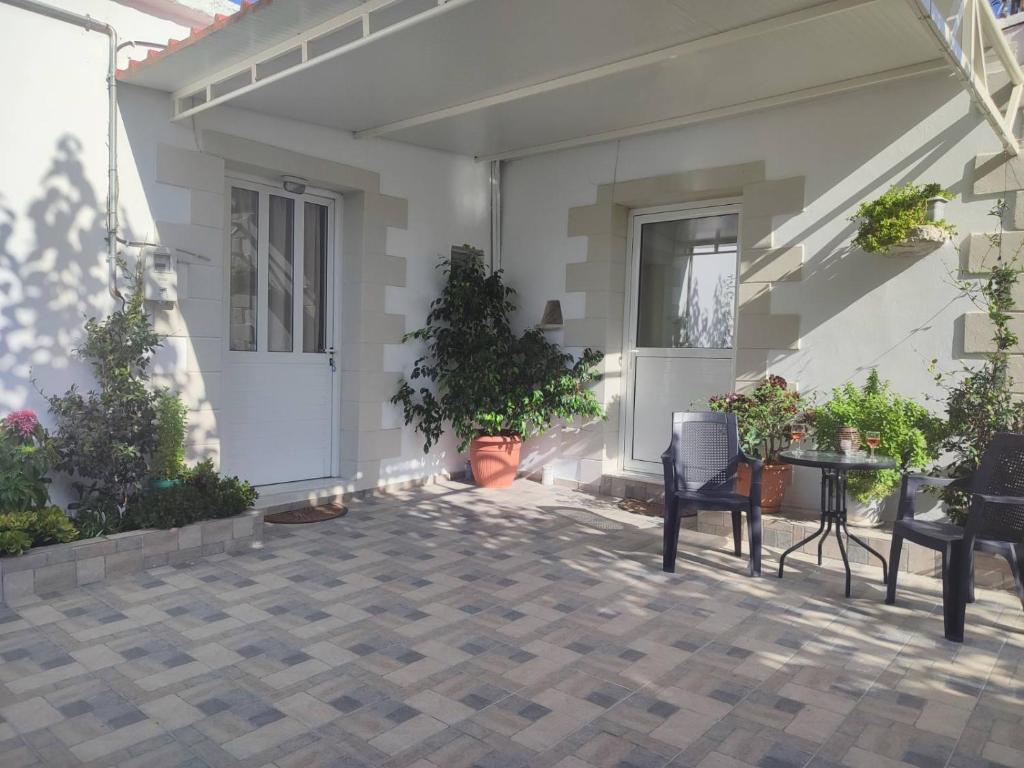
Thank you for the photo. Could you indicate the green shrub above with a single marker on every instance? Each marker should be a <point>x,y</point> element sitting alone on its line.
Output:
<point>104,437</point>
<point>888,220</point>
<point>169,455</point>
<point>981,401</point>
<point>909,433</point>
<point>203,495</point>
<point>20,531</point>
<point>25,456</point>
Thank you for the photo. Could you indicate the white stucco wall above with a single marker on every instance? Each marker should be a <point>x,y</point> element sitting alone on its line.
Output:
<point>53,186</point>
<point>857,310</point>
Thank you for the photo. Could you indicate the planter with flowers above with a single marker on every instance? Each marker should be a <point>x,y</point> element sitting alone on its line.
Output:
<point>27,519</point>
<point>764,415</point>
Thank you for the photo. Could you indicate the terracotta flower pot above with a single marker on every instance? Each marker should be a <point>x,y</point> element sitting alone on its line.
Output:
<point>775,478</point>
<point>495,460</point>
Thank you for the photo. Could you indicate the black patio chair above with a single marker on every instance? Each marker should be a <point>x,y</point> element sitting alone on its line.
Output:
<point>700,473</point>
<point>995,524</point>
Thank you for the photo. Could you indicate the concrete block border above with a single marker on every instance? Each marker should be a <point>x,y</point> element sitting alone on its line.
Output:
<point>60,567</point>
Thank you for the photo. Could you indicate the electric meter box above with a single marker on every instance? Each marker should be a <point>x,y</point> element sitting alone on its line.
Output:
<point>161,275</point>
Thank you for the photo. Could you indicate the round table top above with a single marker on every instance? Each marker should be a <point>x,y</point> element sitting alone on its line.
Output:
<point>841,461</point>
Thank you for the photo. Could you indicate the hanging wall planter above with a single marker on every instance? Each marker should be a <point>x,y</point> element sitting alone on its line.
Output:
<point>905,221</point>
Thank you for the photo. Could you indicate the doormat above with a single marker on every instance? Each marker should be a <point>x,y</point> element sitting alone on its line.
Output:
<point>302,515</point>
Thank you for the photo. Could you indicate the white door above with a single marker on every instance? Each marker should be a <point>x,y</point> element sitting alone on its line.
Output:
<point>277,423</point>
<point>681,322</point>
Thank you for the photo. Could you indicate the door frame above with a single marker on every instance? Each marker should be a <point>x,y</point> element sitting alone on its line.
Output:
<point>335,203</point>
<point>637,218</point>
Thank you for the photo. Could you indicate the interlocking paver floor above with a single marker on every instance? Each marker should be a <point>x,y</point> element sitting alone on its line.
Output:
<point>449,627</point>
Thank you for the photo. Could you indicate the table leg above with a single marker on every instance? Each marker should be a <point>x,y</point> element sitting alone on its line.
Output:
<point>885,565</point>
<point>821,541</point>
<point>846,562</point>
<point>821,528</point>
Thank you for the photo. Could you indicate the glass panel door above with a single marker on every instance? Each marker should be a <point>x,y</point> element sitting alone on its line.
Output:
<point>682,322</point>
<point>279,422</point>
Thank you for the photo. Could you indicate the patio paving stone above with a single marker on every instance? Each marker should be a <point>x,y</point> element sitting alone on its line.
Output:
<point>449,627</point>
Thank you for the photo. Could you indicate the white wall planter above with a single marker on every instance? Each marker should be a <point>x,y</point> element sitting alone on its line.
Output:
<point>922,241</point>
<point>60,567</point>
<point>871,514</point>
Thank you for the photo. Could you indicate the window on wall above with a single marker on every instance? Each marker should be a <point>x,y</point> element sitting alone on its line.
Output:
<point>314,278</point>
<point>244,268</point>
<point>279,271</point>
<point>281,274</point>
<point>688,283</point>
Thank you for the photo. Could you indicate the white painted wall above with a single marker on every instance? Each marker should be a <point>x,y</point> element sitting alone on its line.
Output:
<point>53,186</point>
<point>857,309</point>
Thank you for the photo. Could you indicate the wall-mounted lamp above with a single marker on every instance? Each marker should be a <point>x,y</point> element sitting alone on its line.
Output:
<point>551,320</point>
<point>294,184</point>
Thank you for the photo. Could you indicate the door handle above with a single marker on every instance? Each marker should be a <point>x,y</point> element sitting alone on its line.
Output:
<point>330,359</point>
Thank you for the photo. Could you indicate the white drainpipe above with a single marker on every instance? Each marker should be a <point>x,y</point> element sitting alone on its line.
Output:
<point>94,25</point>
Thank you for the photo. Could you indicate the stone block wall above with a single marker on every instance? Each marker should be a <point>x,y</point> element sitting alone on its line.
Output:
<point>762,335</point>
<point>61,567</point>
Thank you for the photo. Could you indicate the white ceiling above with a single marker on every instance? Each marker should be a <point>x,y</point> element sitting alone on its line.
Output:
<point>485,48</point>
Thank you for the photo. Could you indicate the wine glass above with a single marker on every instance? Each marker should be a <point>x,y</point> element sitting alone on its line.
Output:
<point>873,439</point>
<point>797,432</point>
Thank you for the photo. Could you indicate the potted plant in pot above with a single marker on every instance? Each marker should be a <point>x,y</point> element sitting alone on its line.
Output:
<point>907,432</point>
<point>496,388</point>
<point>905,220</point>
<point>764,415</point>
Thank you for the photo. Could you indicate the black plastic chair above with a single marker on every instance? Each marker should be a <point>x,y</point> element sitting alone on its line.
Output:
<point>995,524</point>
<point>700,473</point>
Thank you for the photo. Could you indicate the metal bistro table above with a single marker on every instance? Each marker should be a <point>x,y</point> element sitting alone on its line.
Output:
<point>834,468</point>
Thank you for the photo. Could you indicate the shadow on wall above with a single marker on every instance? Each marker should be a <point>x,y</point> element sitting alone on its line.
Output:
<point>50,281</point>
<point>53,276</point>
<point>837,274</point>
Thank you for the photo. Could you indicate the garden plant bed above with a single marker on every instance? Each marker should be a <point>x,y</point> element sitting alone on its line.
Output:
<point>60,567</point>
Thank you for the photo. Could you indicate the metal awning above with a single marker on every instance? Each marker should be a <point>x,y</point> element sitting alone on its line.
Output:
<point>504,78</point>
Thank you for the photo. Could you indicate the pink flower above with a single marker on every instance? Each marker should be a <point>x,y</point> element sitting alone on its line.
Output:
<point>22,422</point>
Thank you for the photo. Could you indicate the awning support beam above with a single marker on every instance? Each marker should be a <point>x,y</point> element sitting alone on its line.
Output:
<point>733,110</point>
<point>747,31</point>
<point>964,40</point>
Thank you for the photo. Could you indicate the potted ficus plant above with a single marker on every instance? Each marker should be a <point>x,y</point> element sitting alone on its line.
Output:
<point>496,388</point>
<point>908,433</point>
<point>764,416</point>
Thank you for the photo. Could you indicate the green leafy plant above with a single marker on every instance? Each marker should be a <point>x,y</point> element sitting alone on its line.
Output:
<point>481,377</point>
<point>169,453</point>
<point>25,457</point>
<point>980,401</point>
<point>891,218</point>
<point>204,495</point>
<point>19,531</point>
<point>104,437</point>
<point>764,415</point>
<point>909,432</point>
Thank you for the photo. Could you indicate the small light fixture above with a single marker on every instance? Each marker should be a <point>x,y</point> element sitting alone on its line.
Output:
<point>294,184</point>
<point>551,320</point>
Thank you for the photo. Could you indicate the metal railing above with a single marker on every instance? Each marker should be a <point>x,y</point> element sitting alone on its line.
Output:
<point>969,37</point>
